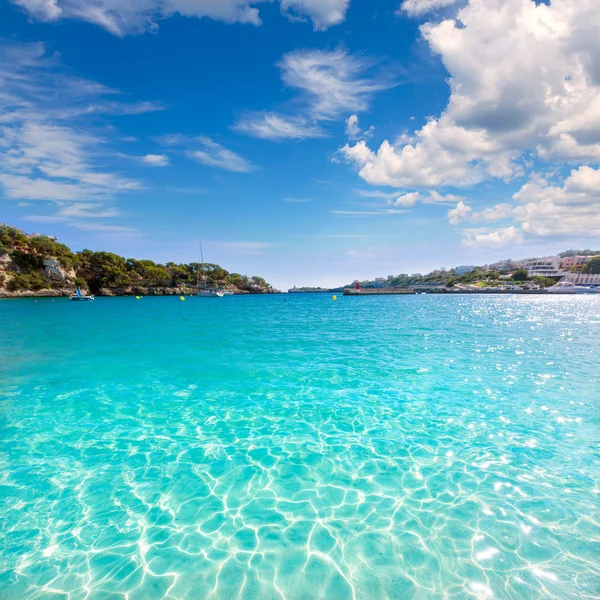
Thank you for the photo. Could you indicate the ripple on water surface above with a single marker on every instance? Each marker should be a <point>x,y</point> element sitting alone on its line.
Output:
<point>296,448</point>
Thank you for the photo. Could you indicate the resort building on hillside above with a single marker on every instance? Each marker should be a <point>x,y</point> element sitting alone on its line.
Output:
<point>507,265</point>
<point>544,267</point>
<point>573,262</point>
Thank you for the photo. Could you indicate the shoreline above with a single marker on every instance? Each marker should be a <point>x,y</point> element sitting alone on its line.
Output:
<point>130,292</point>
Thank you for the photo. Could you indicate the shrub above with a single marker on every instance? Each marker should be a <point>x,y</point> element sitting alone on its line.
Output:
<point>520,275</point>
<point>26,261</point>
<point>30,281</point>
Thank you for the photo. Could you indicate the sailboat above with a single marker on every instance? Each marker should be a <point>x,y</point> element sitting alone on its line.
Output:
<point>202,288</point>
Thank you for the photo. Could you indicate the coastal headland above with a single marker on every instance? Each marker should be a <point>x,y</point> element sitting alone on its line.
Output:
<point>35,266</point>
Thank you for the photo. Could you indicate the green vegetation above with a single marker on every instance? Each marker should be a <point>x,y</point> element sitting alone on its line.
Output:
<point>544,282</point>
<point>97,270</point>
<point>569,253</point>
<point>592,266</point>
<point>447,278</point>
<point>520,275</point>
<point>31,281</point>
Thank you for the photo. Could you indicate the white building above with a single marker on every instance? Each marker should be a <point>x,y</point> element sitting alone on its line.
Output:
<point>544,267</point>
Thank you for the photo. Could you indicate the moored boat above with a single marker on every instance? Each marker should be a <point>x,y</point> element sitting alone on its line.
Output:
<point>79,297</point>
<point>562,287</point>
<point>203,289</point>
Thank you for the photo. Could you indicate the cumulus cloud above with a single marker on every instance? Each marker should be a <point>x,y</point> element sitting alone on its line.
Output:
<point>324,13</point>
<point>460,213</point>
<point>501,238</point>
<point>407,200</point>
<point>353,130</point>
<point>553,210</point>
<point>524,80</point>
<point>277,127</point>
<point>561,210</point>
<point>122,17</point>
<point>463,212</point>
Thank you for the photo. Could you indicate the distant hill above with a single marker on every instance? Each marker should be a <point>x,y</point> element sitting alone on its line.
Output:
<point>33,265</point>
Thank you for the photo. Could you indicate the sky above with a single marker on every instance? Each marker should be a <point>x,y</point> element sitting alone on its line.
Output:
<point>311,142</point>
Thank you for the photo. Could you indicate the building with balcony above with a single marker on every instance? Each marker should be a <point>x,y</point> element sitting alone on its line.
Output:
<point>573,262</point>
<point>544,267</point>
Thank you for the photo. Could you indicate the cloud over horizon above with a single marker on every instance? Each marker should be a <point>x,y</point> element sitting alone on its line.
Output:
<point>126,17</point>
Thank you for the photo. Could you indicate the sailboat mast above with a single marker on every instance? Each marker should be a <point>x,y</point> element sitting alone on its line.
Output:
<point>202,259</point>
<point>198,269</point>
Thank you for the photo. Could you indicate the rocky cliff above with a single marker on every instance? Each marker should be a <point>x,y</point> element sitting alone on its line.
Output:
<point>38,266</point>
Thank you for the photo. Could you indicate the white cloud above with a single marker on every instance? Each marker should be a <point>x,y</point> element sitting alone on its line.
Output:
<point>212,154</point>
<point>568,210</point>
<point>464,212</point>
<point>493,213</point>
<point>411,198</point>
<point>156,160</point>
<point>416,8</point>
<point>330,84</point>
<point>407,200</point>
<point>122,17</point>
<point>334,82</point>
<point>508,236</point>
<point>277,127</point>
<point>524,81</point>
<point>18,186</point>
<point>353,130</point>
<point>460,213</point>
<point>435,197</point>
<point>52,162</point>
<point>77,214</point>
<point>88,210</point>
<point>50,148</point>
<point>324,13</point>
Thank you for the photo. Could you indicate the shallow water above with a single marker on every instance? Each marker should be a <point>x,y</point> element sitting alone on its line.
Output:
<point>297,448</point>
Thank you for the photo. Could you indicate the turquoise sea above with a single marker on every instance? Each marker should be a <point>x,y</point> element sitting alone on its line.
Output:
<point>293,447</point>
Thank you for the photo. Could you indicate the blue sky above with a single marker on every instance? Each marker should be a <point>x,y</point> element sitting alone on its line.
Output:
<point>308,141</point>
